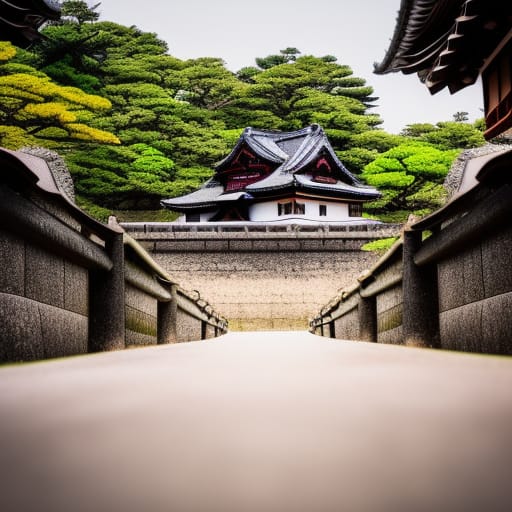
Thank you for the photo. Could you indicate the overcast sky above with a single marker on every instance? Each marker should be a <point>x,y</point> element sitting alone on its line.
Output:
<point>356,32</point>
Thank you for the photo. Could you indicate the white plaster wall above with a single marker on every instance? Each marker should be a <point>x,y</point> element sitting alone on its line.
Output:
<point>268,211</point>
<point>205,217</point>
<point>261,212</point>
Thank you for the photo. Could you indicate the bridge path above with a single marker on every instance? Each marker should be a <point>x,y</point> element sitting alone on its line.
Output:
<point>258,422</point>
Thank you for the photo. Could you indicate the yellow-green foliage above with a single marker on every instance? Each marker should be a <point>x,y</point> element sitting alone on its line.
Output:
<point>87,133</point>
<point>381,245</point>
<point>30,102</point>
<point>56,112</point>
<point>7,51</point>
<point>14,137</point>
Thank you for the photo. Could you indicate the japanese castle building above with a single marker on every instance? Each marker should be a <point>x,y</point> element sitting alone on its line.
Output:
<point>272,176</point>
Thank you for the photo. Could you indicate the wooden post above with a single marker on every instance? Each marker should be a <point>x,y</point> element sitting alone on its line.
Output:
<point>332,329</point>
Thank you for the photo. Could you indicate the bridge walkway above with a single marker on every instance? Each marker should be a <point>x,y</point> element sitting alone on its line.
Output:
<point>258,422</point>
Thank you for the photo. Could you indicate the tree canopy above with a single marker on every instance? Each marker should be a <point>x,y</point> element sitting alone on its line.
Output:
<point>35,108</point>
<point>136,124</point>
<point>410,177</point>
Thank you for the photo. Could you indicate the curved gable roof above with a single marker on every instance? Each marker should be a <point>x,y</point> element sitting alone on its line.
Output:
<point>292,150</point>
<point>261,142</point>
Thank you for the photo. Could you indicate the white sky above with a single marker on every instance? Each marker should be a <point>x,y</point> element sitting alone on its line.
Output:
<point>356,32</point>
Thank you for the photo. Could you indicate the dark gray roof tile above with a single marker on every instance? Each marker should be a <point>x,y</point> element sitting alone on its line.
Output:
<point>291,153</point>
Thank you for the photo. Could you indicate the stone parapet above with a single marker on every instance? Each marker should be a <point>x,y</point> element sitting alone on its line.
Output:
<point>257,237</point>
<point>448,282</point>
<point>70,285</point>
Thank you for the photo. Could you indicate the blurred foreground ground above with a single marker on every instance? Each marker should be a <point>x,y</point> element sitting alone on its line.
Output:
<point>258,422</point>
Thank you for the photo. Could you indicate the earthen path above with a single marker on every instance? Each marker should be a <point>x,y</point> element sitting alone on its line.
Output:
<point>258,422</point>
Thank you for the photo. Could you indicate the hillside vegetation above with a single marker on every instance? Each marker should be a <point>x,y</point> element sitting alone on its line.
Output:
<point>136,124</point>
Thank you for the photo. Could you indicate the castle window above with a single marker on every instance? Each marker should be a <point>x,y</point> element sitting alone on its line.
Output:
<point>193,217</point>
<point>284,208</point>
<point>355,210</point>
<point>291,207</point>
<point>322,210</point>
<point>299,208</point>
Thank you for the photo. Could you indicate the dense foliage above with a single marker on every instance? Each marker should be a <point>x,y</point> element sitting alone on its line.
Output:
<point>34,108</point>
<point>136,124</point>
<point>410,177</point>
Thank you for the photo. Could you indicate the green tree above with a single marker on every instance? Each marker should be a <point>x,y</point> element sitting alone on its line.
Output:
<point>209,84</point>
<point>454,135</point>
<point>136,175</point>
<point>410,177</point>
<point>447,134</point>
<point>157,100</point>
<point>33,107</point>
<point>366,147</point>
<point>79,11</point>
<point>287,55</point>
<point>417,130</point>
<point>291,91</point>
<point>461,117</point>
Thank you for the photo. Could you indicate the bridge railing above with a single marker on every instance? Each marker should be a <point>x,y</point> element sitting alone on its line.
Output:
<point>447,283</point>
<point>255,227</point>
<point>71,285</point>
<point>371,309</point>
<point>257,237</point>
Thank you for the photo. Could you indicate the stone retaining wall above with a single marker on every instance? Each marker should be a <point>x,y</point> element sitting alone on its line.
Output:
<point>265,290</point>
<point>262,276</point>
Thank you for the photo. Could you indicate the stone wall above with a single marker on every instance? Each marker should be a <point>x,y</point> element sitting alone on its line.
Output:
<point>370,310</point>
<point>448,282</point>
<point>187,328</point>
<point>265,290</point>
<point>261,276</point>
<point>345,323</point>
<point>475,283</point>
<point>37,291</point>
<point>70,285</point>
<point>141,310</point>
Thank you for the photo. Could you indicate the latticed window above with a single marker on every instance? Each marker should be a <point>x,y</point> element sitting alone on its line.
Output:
<point>284,208</point>
<point>291,207</point>
<point>355,210</point>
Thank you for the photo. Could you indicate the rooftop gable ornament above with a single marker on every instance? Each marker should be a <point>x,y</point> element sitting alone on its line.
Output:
<point>271,175</point>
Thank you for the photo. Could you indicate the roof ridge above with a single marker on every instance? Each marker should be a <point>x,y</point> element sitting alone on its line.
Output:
<point>250,131</point>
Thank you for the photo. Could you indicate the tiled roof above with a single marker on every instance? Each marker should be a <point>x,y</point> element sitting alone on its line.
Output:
<point>205,197</point>
<point>261,142</point>
<point>446,41</point>
<point>338,188</point>
<point>291,153</point>
<point>21,19</point>
<point>307,144</point>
